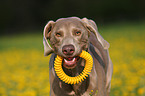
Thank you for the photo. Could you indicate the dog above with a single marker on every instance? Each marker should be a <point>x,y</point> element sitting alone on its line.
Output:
<point>67,37</point>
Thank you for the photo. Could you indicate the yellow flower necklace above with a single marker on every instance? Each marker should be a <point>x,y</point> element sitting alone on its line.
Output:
<point>74,80</point>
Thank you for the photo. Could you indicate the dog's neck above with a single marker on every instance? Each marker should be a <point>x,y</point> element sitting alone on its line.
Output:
<point>81,87</point>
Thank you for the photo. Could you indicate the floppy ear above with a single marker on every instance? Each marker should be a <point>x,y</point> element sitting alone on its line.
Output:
<point>46,36</point>
<point>92,27</point>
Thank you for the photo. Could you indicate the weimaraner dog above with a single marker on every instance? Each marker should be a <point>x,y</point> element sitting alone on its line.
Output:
<point>67,37</point>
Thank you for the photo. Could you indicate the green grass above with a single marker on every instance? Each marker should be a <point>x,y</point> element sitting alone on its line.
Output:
<point>22,41</point>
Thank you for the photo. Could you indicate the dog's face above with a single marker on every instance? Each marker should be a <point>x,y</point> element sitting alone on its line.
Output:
<point>68,37</point>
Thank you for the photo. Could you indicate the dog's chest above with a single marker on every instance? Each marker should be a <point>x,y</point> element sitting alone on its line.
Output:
<point>83,88</point>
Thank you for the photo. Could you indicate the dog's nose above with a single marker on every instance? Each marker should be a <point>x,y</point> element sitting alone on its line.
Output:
<point>68,49</point>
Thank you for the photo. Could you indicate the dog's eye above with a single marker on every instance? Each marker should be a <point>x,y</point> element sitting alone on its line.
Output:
<point>58,34</point>
<point>78,33</point>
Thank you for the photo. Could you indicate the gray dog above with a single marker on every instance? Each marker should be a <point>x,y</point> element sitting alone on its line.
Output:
<point>67,37</point>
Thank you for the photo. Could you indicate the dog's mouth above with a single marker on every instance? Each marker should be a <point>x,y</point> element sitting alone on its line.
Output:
<point>70,62</point>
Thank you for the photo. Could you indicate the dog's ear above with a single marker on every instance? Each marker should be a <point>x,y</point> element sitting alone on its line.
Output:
<point>46,37</point>
<point>92,27</point>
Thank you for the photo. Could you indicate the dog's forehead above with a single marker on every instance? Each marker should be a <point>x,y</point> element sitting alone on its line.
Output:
<point>68,22</point>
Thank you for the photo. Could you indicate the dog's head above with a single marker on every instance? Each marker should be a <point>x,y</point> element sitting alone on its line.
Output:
<point>67,37</point>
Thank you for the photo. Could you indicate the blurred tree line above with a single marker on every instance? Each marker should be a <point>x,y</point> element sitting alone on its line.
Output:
<point>16,15</point>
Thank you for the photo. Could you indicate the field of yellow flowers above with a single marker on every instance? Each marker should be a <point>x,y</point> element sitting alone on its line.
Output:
<point>24,71</point>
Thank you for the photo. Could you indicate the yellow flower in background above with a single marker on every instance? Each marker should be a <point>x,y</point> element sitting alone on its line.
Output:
<point>30,93</point>
<point>141,91</point>
<point>23,74</point>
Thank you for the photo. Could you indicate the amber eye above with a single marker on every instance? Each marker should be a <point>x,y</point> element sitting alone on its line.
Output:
<point>78,33</point>
<point>58,34</point>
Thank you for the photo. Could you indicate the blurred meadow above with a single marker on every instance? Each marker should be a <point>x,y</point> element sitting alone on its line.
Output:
<point>24,71</point>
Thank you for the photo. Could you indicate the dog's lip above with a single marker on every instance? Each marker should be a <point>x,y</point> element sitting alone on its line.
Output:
<point>70,62</point>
